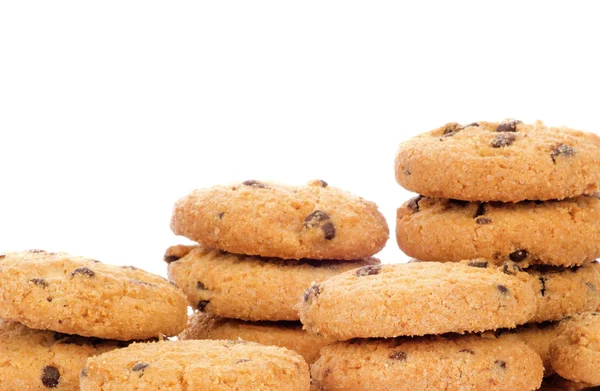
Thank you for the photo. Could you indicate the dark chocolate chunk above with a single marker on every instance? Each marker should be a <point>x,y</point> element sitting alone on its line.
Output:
<point>202,305</point>
<point>500,364</point>
<point>139,367</point>
<point>200,286</point>
<point>508,126</point>
<point>466,351</point>
<point>562,150</point>
<point>328,231</point>
<point>312,292</point>
<point>50,377</point>
<point>503,140</point>
<point>316,218</point>
<point>84,271</point>
<point>543,283</point>
<point>480,210</point>
<point>519,256</point>
<point>398,356</point>
<point>322,183</point>
<point>413,203</point>
<point>479,264</point>
<point>253,183</point>
<point>370,270</point>
<point>483,220</point>
<point>40,282</point>
<point>503,289</point>
<point>171,258</point>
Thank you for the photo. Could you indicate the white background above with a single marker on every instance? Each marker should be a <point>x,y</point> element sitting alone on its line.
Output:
<point>112,110</point>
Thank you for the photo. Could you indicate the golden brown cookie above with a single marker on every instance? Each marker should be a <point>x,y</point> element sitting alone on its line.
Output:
<point>271,220</point>
<point>35,360</point>
<point>576,352</point>
<point>287,335</point>
<point>197,365</point>
<point>563,233</point>
<point>508,161</point>
<point>246,287</point>
<point>436,363</point>
<point>75,295</point>
<point>417,299</point>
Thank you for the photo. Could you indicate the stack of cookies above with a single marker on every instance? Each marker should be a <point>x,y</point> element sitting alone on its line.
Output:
<point>515,196</point>
<point>58,310</point>
<point>260,246</point>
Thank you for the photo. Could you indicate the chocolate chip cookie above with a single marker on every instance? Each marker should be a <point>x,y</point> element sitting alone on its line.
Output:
<point>417,299</point>
<point>436,363</point>
<point>197,365</point>
<point>246,287</point>
<point>75,295</point>
<point>500,161</point>
<point>287,335</point>
<point>37,360</point>
<point>564,233</point>
<point>271,220</point>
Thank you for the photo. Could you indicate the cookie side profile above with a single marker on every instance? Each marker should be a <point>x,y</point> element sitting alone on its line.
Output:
<point>75,295</point>
<point>287,335</point>
<point>271,220</point>
<point>576,351</point>
<point>417,299</point>
<point>500,161</point>
<point>37,360</point>
<point>436,363</point>
<point>246,287</point>
<point>197,365</point>
<point>560,233</point>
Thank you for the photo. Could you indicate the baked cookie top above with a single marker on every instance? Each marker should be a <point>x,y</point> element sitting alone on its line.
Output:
<point>435,363</point>
<point>248,287</point>
<point>197,365</point>
<point>38,360</point>
<point>562,233</point>
<point>76,295</point>
<point>315,221</point>
<point>417,299</point>
<point>500,161</point>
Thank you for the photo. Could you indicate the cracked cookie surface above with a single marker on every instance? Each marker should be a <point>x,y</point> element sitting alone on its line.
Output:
<point>197,365</point>
<point>500,161</point>
<point>315,221</point>
<point>76,295</point>
<point>247,287</point>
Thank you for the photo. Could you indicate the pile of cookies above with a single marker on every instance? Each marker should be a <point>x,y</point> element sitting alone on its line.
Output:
<point>261,245</point>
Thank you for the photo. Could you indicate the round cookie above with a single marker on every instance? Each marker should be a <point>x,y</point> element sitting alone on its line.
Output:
<point>563,233</point>
<point>75,295</point>
<point>287,335</point>
<point>436,363</point>
<point>37,360</point>
<point>271,220</point>
<point>417,299</point>
<point>197,365</point>
<point>246,287</point>
<point>508,161</point>
<point>576,352</point>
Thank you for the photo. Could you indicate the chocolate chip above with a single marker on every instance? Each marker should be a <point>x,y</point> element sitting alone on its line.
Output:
<point>500,364</point>
<point>451,129</point>
<point>511,269</point>
<point>253,183</point>
<point>220,215</point>
<point>475,124</point>
<point>466,351</point>
<point>200,286</point>
<point>84,271</point>
<point>139,367</point>
<point>543,282</point>
<point>398,356</point>
<point>49,299</point>
<point>328,231</point>
<point>562,150</point>
<point>480,210</point>
<point>483,220</point>
<point>312,292</point>
<point>407,172</point>
<point>370,270</point>
<point>518,256</point>
<point>413,203</point>
<point>321,219</point>
<point>503,289</point>
<point>503,140</point>
<point>322,183</point>
<point>202,305</point>
<point>508,126</point>
<point>50,377</point>
<point>171,258</point>
<point>40,282</point>
<point>479,264</point>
